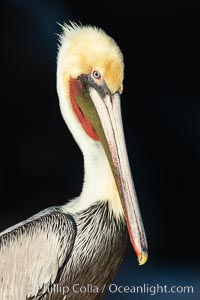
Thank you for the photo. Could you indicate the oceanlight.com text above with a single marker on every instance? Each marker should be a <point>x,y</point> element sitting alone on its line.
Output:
<point>151,289</point>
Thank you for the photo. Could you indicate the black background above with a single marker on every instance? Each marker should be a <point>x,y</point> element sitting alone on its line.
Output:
<point>42,166</point>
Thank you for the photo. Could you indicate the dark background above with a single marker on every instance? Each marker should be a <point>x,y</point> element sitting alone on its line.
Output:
<point>42,166</point>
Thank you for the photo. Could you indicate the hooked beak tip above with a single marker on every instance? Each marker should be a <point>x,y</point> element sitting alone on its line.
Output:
<point>143,257</point>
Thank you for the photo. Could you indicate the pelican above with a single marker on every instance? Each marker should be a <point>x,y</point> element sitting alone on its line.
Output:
<point>74,250</point>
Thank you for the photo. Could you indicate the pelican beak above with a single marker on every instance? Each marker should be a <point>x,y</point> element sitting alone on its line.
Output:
<point>103,110</point>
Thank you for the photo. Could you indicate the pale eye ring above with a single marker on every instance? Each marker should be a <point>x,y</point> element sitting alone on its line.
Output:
<point>96,74</point>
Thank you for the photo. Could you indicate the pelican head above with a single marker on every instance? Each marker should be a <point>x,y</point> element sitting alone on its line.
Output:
<point>89,82</point>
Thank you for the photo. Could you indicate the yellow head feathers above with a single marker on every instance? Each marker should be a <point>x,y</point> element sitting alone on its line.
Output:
<point>86,48</point>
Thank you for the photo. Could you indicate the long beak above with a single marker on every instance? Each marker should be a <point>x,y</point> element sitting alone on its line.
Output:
<point>104,112</point>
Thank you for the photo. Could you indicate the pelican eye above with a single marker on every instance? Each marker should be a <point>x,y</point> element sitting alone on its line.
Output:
<point>96,74</point>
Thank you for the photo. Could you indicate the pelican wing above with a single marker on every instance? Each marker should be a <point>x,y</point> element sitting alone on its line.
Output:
<point>33,253</point>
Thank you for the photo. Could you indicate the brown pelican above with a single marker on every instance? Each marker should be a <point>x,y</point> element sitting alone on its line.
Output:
<point>73,251</point>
